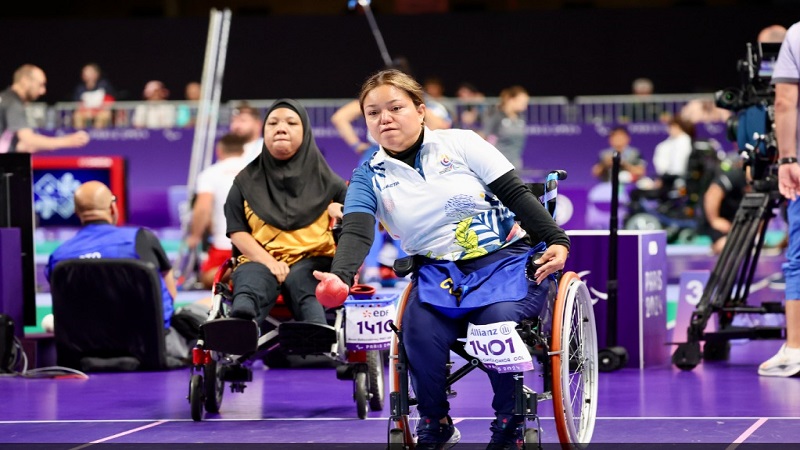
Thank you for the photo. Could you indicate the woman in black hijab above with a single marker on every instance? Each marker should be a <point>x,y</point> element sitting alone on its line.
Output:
<point>278,215</point>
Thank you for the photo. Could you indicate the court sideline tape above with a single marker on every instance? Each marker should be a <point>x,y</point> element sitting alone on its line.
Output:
<point>124,433</point>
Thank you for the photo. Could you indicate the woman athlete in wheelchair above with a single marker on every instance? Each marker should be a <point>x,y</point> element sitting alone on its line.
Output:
<point>453,201</point>
<point>278,213</point>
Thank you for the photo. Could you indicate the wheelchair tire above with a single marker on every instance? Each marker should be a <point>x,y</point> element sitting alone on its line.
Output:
<point>403,424</point>
<point>376,381</point>
<point>213,386</point>
<point>361,395</point>
<point>396,440</point>
<point>196,397</point>
<point>532,441</point>
<point>574,363</point>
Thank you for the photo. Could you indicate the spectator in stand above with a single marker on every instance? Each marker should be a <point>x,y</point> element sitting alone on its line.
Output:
<point>505,128</point>
<point>472,111</point>
<point>342,119</point>
<point>671,156</point>
<point>155,112</point>
<point>187,112</point>
<point>642,87</point>
<point>703,111</point>
<point>192,91</point>
<point>632,166</point>
<point>772,34</point>
<point>95,95</point>
<point>16,132</point>
<point>643,108</point>
<point>246,122</point>
<point>436,102</point>
<point>208,210</point>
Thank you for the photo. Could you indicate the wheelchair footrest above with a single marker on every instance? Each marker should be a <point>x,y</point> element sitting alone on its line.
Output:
<point>303,338</point>
<point>236,373</point>
<point>230,336</point>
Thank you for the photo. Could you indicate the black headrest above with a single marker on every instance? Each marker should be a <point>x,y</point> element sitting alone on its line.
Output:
<point>108,308</point>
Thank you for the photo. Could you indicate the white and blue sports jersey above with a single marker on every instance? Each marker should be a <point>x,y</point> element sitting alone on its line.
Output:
<point>441,208</point>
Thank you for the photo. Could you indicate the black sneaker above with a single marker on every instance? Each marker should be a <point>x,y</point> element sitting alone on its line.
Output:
<point>432,435</point>
<point>508,432</point>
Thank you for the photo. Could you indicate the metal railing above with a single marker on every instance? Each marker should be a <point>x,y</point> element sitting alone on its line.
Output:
<point>631,108</point>
<point>541,110</point>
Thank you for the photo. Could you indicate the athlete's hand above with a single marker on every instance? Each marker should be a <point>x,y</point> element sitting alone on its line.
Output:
<point>552,260</point>
<point>331,290</point>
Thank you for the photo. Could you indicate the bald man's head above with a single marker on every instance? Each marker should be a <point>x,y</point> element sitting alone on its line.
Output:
<point>94,201</point>
<point>30,82</point>
<point>772,34</point>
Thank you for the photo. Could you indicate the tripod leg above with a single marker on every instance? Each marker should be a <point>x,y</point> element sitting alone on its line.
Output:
<point>735,261</point>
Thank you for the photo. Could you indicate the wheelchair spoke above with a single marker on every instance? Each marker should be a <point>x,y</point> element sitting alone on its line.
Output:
<point>576,377</point>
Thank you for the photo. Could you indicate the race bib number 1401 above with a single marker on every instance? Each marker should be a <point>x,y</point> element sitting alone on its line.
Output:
<point>499,347</point>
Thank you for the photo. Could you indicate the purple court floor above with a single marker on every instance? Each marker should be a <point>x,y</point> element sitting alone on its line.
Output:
<point>719,405</point>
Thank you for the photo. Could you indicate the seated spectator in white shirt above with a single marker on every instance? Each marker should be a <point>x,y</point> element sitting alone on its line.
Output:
<point>671,156</point>
<point>155,113</point>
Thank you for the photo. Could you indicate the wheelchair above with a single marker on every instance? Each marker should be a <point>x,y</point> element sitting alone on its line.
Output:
<point>217,359</point>
<point>563,340</point>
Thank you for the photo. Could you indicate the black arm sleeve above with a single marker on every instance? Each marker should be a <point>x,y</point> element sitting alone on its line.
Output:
<point>533,216</point>
<point>358,232</point>
<point>339,196</point>
<point>235,219</point>
<point>149,249</point>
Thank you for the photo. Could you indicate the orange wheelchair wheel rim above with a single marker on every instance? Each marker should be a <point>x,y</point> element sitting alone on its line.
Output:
<point>398,322</point>
<point>555,346</point>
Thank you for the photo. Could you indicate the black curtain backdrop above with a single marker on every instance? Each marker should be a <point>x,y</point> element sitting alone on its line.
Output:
<point>563,52</point>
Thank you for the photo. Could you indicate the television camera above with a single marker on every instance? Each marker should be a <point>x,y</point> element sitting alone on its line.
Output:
<point>725,294</point>
<point>752,124</point>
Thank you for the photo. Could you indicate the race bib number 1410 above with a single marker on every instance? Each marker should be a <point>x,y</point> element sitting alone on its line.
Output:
<point>368,323</point>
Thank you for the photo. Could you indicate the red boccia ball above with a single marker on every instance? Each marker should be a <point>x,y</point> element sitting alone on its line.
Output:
<point>332,292</point>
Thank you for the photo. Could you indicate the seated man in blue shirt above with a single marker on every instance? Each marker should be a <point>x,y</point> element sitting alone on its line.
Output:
<point>100,237</point>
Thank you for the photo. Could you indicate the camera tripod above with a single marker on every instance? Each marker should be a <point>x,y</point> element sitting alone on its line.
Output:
<point>729,284</point>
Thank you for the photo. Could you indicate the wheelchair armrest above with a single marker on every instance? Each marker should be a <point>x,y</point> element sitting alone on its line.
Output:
<point>531,269</point>
<point>404,266</point>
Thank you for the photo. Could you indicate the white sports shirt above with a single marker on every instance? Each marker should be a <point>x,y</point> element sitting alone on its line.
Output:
<point>442,208</point>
